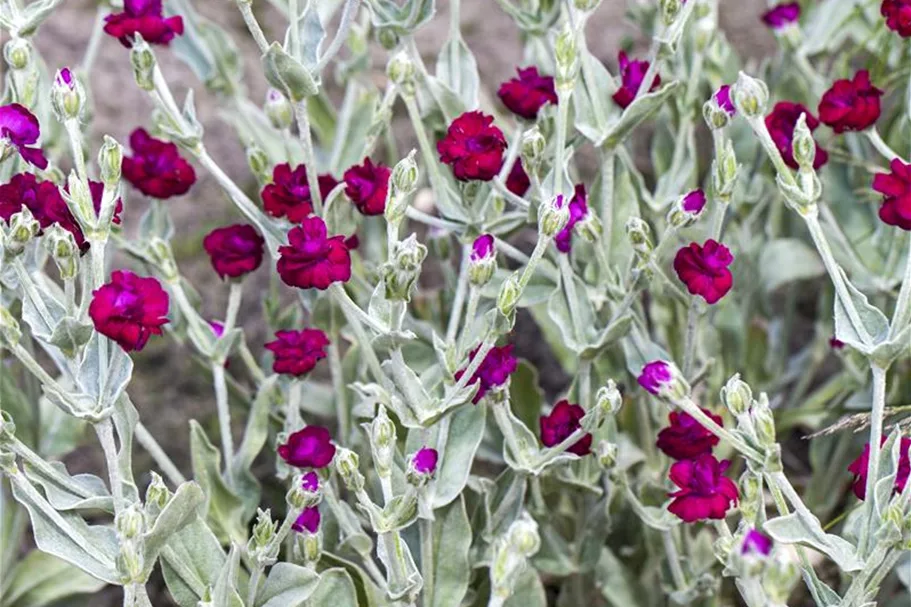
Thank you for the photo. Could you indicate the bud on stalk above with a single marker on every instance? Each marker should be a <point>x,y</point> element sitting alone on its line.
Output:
<point>751,96</point>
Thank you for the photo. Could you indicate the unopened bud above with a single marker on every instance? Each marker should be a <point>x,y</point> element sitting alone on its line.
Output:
<point>388,38</point>
<point>608,399</point>
<point>669,10</point>
<point>67,95</point>
<point>586,5</point>
<point>719,109</point>
<point>311,547</point>
<point>110,160</point>
<point>779,577</point>
<point>22,228</point>
<point>157,494</point>
<point>751,96</point>
<point>346,464</point>
<point>737,395</point>
<point>482,262</point>
<point>405,176</point>
<point>763,421</point>
<point>509,295</point>
<point>607,454</point>
<point>553,216</point>
<point>803,146</point>
<point>637,231</point>
<point>18,53</point>
<point>258,162</point>
<point>10,334</point>
<point>62,247</point>
<point>567,58</point>
<point>143,61</point>
<point>401,274</point>
<point>130,522</point>
<point>687,209</point>
<point>264,529</point>
<point>382,441</point>
<point>278,109</point>
<point>129,562</point>
<point>163,258</point>
<point>524,537</point>
<point>533,144</point>
<point>725,170</point>
<point>400,70</point>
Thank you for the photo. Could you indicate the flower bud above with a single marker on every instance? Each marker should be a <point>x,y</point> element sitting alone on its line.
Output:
<point>264,529</point>
<point>130,522</point>
<point>586,5</point>
<point>687,209</point>
<point>533,144</point>
<point>737,395</point>
<point>7,425</point>
<point>382,441</point>
<point>18,53</point>
<point>346,464</point>
<point>719,109</point>
<point>129,562</point>
<point>110,160</point>
<point>724,172</point>
<point>803,145</point>
<point>387,37</point>
<point>422,465</point>
<point>723,548</point>
<point>401,274</point>
<point>607,454</point>
<point>553,217</point>
<point>259,163</point>
<point>751,96</point>
<point>482,262</point>
<point>509,295</point>
<point>311,547</point>
<point>278,109</point>
<point>608,399</point>
<point>524,537</point>
<point>779,577</point>
<point>10,334</point>
<point>162,257</point>
<point>311,489</point>
<point>62,247</point>
<point>664,380</point>
<point>567,57</point>
<point>143,61</point>
<point>751,498</point>
<point>157,494</point>
<point>637,231</point>
<point>400,70</point>
<point>22,228</point>
<point>669,10</point>
<point>763,421</point>
<point>404,177</point>
<point>67,95</point>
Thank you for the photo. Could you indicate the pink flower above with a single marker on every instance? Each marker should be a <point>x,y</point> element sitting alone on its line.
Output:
<point>704,269</point>
<point>859,468</point>
<point>518,182</point>
<point>578,210</point>
<point>723,99</point>
<point>310,482</point>
<point>297,352</point>
<point>425,461</point>
<point>145,18</point>
<point>20,129</point>
<point>896,189</point>
<point>308,520</point>
<point>781,123</point>
<point>898,16</point>
<point>496,368</point>
<point>473,147</point>
<point>289,193</point>
<point>756,543</point>
<point>156,168</point>
<point>655,376</point>
<point>694,202</point>
<point>704,492</point>
<point>527,94</point>
<point>561,423</point>
<point>234,250</point>
<point>686,438</point>
<point>311,260</point>
<point>631,75</point>
<point>129,309</point>
<point>482,248</point>
<point>367,185</point>
<point>310,447</point>
<point>851,105</point>
<point>781,15</point>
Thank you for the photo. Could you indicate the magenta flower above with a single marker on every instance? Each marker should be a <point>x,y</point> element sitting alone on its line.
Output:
<point>482,247</point>
<point>313,260</point>
<point>57,211</point>
<point>781,123</point>
<point>694,202</point>
<point>756,543</point>
<point>473,147</point>
<point>297,352</point>
<point>859,468</point>
<point>19,128</point>
<point>42,198</point>
<point>308,520</point>
<point>310,447</point>
<point>425,461</point>
<point>896,189</point>
<point>289,193</point>
<point>578,210</point>
<point>563,420</point>
<point>494,371</point>
<point>723,99</point>
<point>686,438</point>
<point>704,269</point>
<point>156,168</point>
<point>234,250</point>
<point>129,309</point>
<point>898,16</point>
<point>704,492</point>
<point>631,75</point>
<point>851,105</point>
<point>655,376</point>
<point>518,182</point>
<point>96,189</point>
<point>781,15</point>
<point>835,343</point>
<point>310,482</point>
<point>145,18</point>
<point>527,94</point>
<point>367,185</point>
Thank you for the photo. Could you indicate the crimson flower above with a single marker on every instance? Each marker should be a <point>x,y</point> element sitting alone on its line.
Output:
<point>704,492</point>
<point>528,93</point>
<point>896,188</point>
<point>851,105</point>
<point>143,17</point>
<point>859,468</point>
<point>704,269</point>
<point>234,250</point>
<point>495,369</point>
<point>655,376</point>
<point>19,128</point>
<point>297,352</point>
<point>482,247</point>
<point>694,202</point>
<point>308,520</point>
<point>578,210</point>
<point>367,185</point>
<point>781,15</point>
<point>311,260</point>
<point>686,438</point>
<point>156,168</point>
<point>425,460</point>
<point>898,16</point>
<point>96,189</point>
<point>129,309</point>
<point>289,193</point>
<point>561,423</point>
<point>518,182</point>
<point>310,447</point>
<point>631,75</point>
<point>781,123</point>
<point>473,147</point>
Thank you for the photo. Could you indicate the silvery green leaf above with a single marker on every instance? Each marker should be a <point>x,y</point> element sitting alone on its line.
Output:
<point>874,321</point>
<point>41,579</point>
<point>884,486</point>
<point>787,260</point>
<point>448,101</point>
<point>560,313</point>
<point>125,419</point>
<point>225,590</point>
<point>255,435</point>
<point>69,335</point>
<point>617,583</point>
<point>639,350</point>
<point>637,112</point>
<point>525,395</point>
<point>368,593</point>
<point>335,588</point>
<point>828,27</point>
<point>398,513</point>
<point>288,585</point>
<point>225,344</point>
<point>503,502</point>
<point>311,33</point>
<point>797,529</point>
<point>65,492</point>
<point>33,16</point>
<point>451,544</point>
<point>610,335</point>
<point>104,386</point>
<point>403,577</point>
<point>556,556</point>
<point>539,288</point>
<point>191,562</point>
<point>457,69</point>
<point>67,536</point>
<point>385,312</point>
<point>403,18</point>
<point>288,75</point>
<point>352,126</point>
<point>224,509</point>
<point>656,518</point>
<point>351,534</point>
<point>886,352</point>
<point>528,591</point>
<point>180,511</point>
<point>40,311</point>
<point>591,98</point>
<point>191,47</point>
<point>156,222</point>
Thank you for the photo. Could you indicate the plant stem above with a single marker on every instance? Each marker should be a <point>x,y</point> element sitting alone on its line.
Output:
<point>105,431</point>
<point>470,313</point>
<point>426,527</point>
<point>709,424</point>
<point>902,315</point>
<point>461,287</point>
<point>303,126</point>
<point>234,298</point>
<point>338,379</point>
<point>162,459</point>
<point>876,432</point>
<point>246,11</point>
<point>673,560</point>
<point>349,11</point>
<point>224,418</point>
<point>433,165</point>
<point>881,146</point>
<point>689,344</point>
<point>560,141</point>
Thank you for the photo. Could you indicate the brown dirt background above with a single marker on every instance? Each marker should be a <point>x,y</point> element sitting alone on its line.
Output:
<point>166,389</point>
